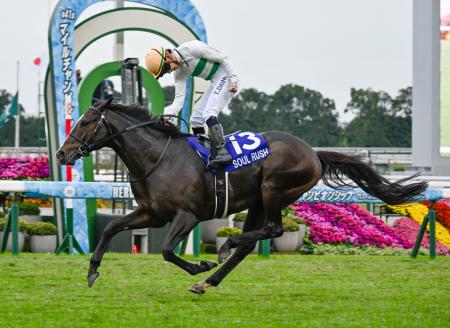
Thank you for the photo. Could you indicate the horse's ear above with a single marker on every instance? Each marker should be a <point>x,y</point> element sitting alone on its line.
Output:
<point>99,105</point>
<point>108,101</point>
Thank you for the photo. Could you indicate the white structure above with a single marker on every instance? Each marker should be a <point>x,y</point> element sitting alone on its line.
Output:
<point>426,89</point>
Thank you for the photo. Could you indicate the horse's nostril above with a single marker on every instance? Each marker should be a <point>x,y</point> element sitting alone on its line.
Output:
<point>60,155</point>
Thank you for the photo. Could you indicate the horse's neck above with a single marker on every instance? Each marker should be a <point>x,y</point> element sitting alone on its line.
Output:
<point>139,149</point>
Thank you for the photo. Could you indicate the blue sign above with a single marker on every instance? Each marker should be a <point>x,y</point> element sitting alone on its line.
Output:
<point>324,194</point>
<point>110,190</point>
<point>62,53</point>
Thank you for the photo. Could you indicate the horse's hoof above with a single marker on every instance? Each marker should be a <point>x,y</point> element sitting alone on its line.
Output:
<point>208,265</point>
<point>91,278</point>
<point>199,288</point>
<point>224,253</point>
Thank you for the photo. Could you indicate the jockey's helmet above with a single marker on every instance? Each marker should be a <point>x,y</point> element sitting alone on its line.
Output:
<point>155,60</point>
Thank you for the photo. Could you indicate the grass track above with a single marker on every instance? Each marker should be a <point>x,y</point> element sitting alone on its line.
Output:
<point>283,291</point>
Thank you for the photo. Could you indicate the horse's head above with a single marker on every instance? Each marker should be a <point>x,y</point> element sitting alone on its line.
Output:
<point>90,128</point>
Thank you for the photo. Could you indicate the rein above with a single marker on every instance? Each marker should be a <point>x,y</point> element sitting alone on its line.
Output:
<point>156,164</point>
<point>86,146</point>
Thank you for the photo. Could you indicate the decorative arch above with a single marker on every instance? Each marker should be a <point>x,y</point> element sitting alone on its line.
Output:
<point>67,42</point>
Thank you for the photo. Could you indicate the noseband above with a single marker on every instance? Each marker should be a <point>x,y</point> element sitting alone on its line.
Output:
<point>86,146</point>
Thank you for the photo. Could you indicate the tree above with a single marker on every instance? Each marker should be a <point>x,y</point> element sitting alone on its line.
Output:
<point>307,114</point>
<point>294,109</point>
<point>32,128</point>
<point>380,120</point>
<point>399,126</point>
<point>249,110</point>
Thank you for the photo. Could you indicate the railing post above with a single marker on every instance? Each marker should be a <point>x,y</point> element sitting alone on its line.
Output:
<point>11,227</point>
<point>432,219</point>
<point>423,227</point>
<point>15,227</point>
<point>69,242</point>
<point>264,248</point>
<point>196,240</point>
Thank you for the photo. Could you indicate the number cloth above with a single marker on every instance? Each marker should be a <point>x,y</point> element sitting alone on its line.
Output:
<point>244,147</point>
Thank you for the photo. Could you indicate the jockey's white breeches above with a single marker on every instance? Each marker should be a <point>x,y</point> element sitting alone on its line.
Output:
<point>213,100</point>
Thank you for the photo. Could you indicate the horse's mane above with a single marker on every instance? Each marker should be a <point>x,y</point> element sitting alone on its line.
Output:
<point>140,114</point>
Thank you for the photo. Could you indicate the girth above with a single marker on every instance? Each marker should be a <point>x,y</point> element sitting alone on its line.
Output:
<point>221,191</point>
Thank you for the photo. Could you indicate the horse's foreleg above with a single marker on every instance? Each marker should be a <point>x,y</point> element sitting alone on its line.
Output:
<point>135,220</point>
<point>254,221</point>
<point>181,226</point>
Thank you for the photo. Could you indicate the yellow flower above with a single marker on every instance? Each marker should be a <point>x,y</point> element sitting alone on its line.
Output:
<point>417,212</point>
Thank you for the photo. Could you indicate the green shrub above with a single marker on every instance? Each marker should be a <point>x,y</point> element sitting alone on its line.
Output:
<point>29,209</point>
<point>2,215</point>
<point>41,229</point>
<point>228,232</point>
<point>290,214</point>
<point>22,225</point>
<point>289,225</point>
<point>240,217</point>
<point>344,249</point>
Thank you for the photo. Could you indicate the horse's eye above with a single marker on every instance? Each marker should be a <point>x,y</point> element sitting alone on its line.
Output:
<point>84,123</point>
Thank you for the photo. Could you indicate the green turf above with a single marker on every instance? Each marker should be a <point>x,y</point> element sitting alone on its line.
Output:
<point>283,291</point>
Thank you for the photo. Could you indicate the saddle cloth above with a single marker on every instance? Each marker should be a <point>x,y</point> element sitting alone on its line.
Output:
<point>244,147</point>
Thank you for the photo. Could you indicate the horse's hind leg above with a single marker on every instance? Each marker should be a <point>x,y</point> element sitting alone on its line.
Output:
<point>137,219</point>
<point>181,226</point>
<point>272,201</point>
<point>254,221</point>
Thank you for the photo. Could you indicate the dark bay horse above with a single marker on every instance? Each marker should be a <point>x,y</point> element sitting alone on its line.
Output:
<point>171,183</point>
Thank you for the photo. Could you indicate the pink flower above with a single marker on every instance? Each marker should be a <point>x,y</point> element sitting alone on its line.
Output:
<point>347,223</point>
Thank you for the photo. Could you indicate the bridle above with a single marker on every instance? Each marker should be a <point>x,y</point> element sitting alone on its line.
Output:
<point>87,146</point>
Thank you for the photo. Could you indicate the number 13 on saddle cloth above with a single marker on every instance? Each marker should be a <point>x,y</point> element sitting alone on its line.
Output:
<point>245,148</point>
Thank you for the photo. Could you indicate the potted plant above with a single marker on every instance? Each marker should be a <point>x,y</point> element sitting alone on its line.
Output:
<point>288,213</point>
<point>22,230</point>
<point>301,230</point>
<point>288,242</point>
<point>238,220</point>
<point>224,233</point>
<point>29,212</point>
<point>42,237</point>
<point>210,227</point>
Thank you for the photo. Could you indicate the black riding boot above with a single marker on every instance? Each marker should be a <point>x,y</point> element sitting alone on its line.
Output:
<point>216,136</point>
<point>199,131</point>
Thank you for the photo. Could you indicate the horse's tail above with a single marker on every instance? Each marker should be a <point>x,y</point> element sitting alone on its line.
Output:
<point>336,166</point>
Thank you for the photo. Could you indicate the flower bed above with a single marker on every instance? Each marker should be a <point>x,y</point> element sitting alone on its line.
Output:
<point>42,202</point>
<point>409,229</point>
<point>417,212</point>
<point>24,168</point>
<point>442,208</point>
<point>347,224</point>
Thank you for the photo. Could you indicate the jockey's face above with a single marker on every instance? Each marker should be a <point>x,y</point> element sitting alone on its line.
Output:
<point>172,61</point>
<point>170,64</point>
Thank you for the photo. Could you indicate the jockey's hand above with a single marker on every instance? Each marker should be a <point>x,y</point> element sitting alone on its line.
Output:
<point>164,120</point>
<point>233,87</point>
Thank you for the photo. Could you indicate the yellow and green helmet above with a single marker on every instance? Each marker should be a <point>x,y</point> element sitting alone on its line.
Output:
<point>154,61</point>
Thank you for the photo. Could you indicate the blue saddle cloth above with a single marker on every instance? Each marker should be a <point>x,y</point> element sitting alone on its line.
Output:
<point>245,148</point>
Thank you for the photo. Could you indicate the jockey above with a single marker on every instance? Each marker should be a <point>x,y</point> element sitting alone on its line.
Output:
<point>195,58</point>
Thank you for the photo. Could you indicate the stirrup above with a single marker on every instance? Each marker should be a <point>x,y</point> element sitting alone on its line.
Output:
<point>216,163</point>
